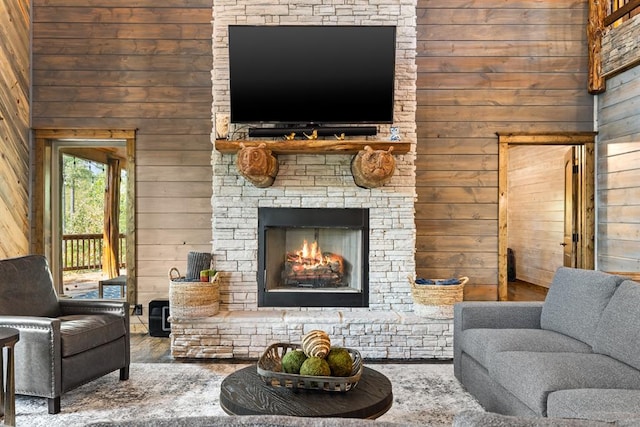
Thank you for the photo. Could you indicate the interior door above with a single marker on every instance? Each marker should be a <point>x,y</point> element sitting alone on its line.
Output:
<point>571,194</point>
<point>583,202</point>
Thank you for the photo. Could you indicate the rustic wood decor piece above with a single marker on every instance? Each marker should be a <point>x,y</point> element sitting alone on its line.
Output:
<point>258,165</point>
<point>373,168</point>
<point>595,29</point>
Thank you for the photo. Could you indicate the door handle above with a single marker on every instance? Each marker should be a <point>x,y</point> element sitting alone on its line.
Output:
<point>563,244</point>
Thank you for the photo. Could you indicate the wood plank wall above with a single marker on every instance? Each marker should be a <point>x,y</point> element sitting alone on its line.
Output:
<point>144,65</point>
<point>14,127</point>
<point>536,211</point>
<point>618,175</point>
<point>483,67</point>
<point>487,67</point>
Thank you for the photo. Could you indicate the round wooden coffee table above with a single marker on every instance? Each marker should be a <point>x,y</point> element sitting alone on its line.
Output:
<point>245,393</point>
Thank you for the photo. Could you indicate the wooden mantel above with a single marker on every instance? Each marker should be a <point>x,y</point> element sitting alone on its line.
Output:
<point>316,146</point>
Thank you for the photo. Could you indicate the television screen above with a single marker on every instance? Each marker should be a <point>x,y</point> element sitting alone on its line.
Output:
<point>311,74</point>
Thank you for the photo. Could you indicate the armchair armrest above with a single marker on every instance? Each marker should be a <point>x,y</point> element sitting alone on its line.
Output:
<point>37,354</point>
<point>44,325</point>
<point>93,306</point>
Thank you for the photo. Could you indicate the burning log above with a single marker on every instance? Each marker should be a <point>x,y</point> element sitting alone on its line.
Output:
<point>311,267</point>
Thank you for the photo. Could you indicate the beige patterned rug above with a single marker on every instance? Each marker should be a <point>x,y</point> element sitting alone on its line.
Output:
<point>424,394</point>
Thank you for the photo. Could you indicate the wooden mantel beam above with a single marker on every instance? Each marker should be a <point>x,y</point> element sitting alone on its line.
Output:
<point>316,146</point>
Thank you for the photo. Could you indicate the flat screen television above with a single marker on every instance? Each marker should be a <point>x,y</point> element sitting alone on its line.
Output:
<point>311,75</point>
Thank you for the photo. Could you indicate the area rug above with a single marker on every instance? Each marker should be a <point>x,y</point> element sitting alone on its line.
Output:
<point>425,394</point>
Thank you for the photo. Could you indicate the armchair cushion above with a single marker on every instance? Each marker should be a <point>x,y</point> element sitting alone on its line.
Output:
<point>18,295</point>
<point>81,332</point>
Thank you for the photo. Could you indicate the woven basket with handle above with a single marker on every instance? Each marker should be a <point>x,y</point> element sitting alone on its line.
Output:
<point>188,299</point>
<point>438,294</point>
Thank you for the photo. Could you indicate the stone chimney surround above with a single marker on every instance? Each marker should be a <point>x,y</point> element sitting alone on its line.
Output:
<point>392,327</point>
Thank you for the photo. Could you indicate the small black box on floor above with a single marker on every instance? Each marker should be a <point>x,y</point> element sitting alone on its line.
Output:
<point>159,325</point>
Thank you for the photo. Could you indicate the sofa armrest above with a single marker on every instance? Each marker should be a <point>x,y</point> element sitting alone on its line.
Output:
<point>93,306</point>
<point>497,315</point>
<point>494,315</point>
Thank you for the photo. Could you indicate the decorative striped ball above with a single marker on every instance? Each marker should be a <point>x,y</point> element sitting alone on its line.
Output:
<point>316,343</point>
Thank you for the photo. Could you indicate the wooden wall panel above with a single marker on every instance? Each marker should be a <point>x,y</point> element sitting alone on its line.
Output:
<point>618,167</point>
<point>485,68</point>
<point>14,128</point>
<point>144,65</point>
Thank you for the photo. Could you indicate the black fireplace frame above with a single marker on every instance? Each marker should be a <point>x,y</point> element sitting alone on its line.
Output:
<point>349,218</point>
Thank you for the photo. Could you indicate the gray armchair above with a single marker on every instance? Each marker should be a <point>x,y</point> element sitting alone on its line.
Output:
<point>64,343</point>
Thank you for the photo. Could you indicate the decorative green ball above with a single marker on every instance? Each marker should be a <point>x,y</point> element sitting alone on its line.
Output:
<point>315,366</point>
<point>340,362</point>
<point>292,361</point>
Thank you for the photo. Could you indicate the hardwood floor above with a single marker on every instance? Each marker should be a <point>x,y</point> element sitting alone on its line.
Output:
<point>148,349</point>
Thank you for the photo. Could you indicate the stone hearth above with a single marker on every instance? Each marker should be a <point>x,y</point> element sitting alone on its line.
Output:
<point>391,327</point>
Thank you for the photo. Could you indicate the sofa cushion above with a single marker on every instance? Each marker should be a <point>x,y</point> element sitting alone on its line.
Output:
<point>576,300</point>
<point>618,333</point>
<point>595,404</point>
<point>531,376</point>
<point>482,344</point>
<point>81,332</point>
<point>473,418</point>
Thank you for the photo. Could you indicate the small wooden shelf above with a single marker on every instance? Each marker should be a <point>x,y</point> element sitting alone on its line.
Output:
<point>316,146</point>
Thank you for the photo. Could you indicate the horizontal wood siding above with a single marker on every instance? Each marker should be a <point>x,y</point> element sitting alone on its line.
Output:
<point>487,67</point>
<point>536,211</point>
<point>143,65</point>
<point>618,176</point>
<point>14,128</point>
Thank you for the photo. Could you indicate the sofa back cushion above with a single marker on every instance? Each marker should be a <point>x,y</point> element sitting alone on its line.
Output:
<point>576,300</point>
<point>26,287</point>
<point>618,333</point>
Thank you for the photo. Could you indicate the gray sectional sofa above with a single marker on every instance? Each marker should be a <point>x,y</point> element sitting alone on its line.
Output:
<point>575,355</point>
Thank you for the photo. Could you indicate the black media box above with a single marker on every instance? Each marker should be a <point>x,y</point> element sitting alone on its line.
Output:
<point>159,325</point>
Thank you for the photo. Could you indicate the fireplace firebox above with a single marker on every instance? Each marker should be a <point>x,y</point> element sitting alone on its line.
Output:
<point>313,257</point>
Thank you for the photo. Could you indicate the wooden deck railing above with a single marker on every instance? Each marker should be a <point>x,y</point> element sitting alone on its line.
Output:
<point>621,9</point>
<point>84,251</point>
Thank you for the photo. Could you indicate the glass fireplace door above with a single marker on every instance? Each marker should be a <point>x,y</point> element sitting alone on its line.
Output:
<point>310,258</point>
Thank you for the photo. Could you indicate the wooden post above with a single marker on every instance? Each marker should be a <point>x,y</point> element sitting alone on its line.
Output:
<point>595,28</point>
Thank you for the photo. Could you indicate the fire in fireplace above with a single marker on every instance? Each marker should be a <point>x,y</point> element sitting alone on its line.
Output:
<point>309,266</point>
<point>313,257</point>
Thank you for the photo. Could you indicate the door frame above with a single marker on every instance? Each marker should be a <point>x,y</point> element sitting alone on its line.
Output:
<point>42,206</point>
<point>586,208</point>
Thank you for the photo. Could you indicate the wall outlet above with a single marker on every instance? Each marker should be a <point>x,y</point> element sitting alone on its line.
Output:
<point>137,310</point>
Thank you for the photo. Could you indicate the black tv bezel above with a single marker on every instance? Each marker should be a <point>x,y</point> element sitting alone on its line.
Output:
<point>319,123</point>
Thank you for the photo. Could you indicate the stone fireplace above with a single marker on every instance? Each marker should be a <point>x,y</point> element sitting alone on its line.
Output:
<point>383,324</point>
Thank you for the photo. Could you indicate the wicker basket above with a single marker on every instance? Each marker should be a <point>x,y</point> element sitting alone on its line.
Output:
<point>188,299</point>
<point>270,370</point>
<point>438,295</point>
